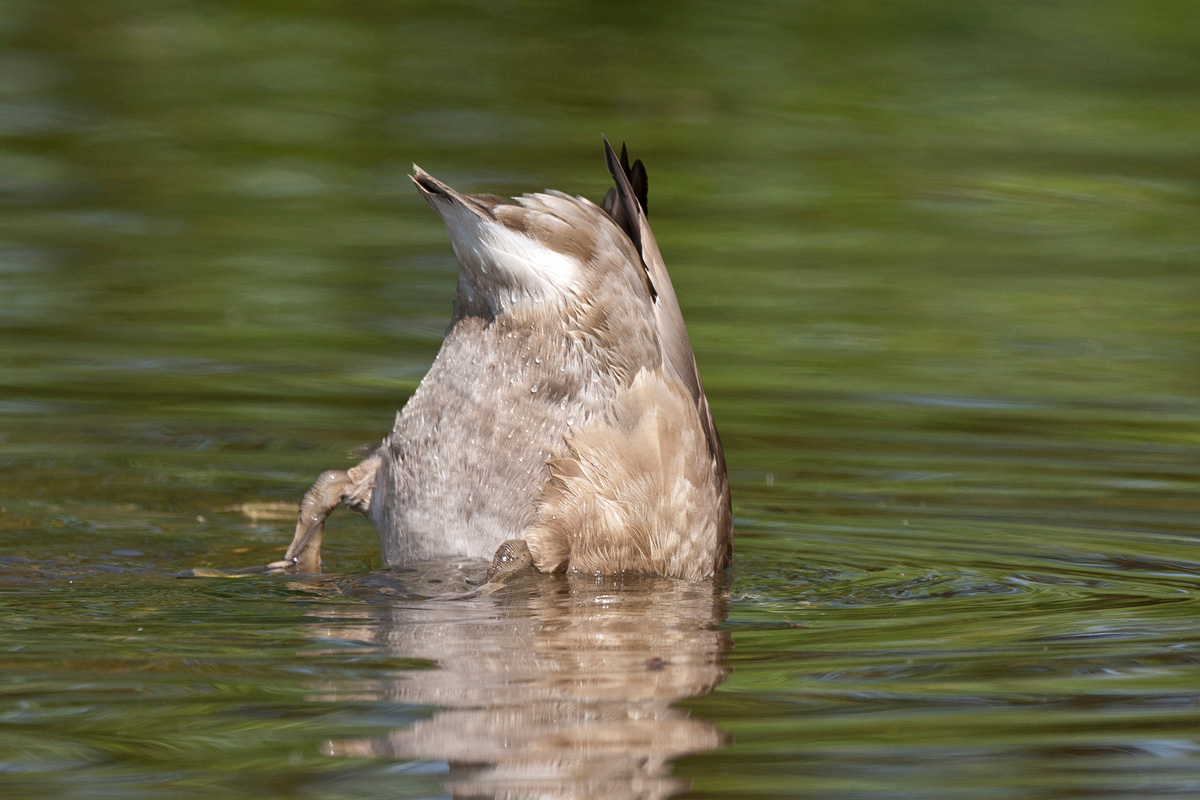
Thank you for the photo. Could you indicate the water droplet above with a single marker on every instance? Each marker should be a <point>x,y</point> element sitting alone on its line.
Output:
<point>533,389</point>
<point>537,360</point>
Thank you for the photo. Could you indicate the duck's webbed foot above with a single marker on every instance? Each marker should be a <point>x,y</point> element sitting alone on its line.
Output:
<point>512,558</point>
<point>332,488</point>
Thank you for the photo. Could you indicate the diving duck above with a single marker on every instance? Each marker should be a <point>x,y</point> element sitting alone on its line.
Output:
<point>563,424</point>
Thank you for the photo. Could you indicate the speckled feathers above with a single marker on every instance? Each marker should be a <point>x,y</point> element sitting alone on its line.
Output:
<point>564,409</point>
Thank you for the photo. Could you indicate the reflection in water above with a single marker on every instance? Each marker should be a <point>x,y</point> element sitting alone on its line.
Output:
<point>558,687</point>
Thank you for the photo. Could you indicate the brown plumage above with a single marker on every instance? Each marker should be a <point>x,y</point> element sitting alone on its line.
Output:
<point>564,413</point>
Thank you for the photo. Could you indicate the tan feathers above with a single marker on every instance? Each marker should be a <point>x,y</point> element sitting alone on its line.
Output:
<point>637,492</point>
<point>564,413</point>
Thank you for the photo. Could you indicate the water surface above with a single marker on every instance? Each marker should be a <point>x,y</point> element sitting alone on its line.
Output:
<point>939,263</point>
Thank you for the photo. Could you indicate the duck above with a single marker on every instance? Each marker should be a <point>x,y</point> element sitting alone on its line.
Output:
<point>563,425</point>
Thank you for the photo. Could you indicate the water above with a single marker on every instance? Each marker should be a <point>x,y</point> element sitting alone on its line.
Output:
<point>939,262</point>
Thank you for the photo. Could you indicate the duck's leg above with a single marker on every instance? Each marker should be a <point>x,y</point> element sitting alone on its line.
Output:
<point>332,488</point>
<point>512,557</point>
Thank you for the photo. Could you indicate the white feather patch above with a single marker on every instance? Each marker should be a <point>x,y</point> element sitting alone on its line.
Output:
<point>484,246</point>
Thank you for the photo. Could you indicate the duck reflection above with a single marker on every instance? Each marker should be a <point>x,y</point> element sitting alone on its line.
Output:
<point>555,687</point>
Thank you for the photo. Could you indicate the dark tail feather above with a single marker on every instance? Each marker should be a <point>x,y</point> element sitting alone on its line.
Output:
<point>622,202</point>
<point>637,179</point>
<point>636,175</point>
<point>439,195</point>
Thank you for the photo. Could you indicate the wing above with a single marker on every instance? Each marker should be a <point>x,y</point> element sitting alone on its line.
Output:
<point>676,346</point>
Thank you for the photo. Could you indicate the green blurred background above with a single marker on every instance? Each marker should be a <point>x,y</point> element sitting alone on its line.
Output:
<point>938,260</point>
